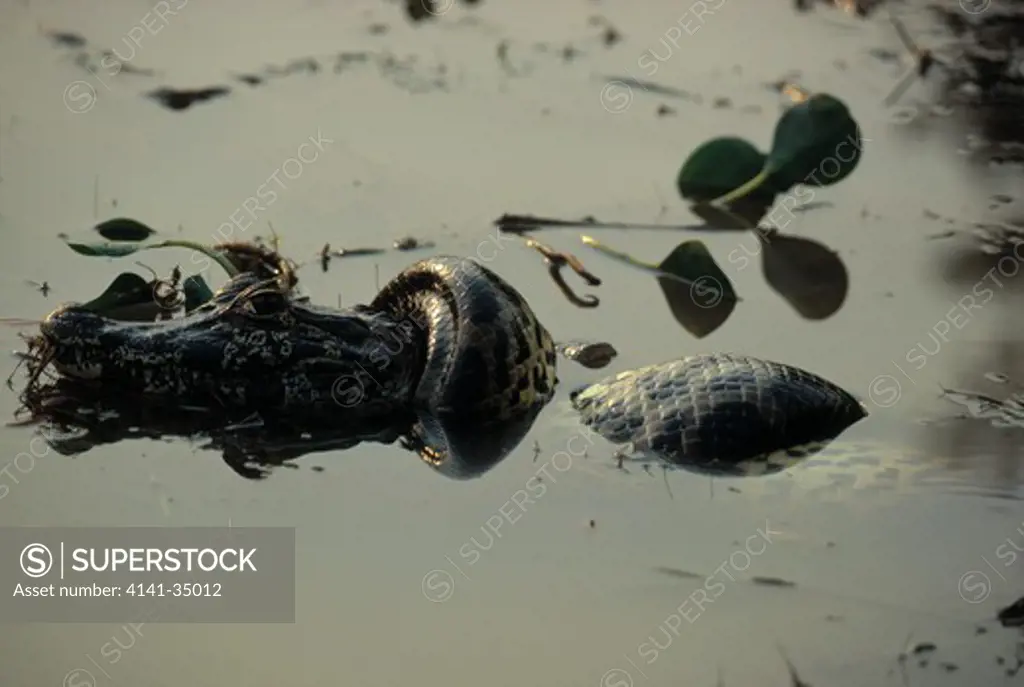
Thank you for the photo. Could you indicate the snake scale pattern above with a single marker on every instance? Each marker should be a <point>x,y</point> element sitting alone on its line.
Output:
<point>447,335</point>
<point>719,413</point>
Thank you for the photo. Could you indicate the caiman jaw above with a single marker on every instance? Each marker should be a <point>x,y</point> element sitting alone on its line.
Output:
<point>292,359</point>
<point>73,335</point>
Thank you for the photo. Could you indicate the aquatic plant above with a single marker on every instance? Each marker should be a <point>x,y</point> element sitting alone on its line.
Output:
<point>732,185</point>
<point>816,142</point>
<point>131,297</point>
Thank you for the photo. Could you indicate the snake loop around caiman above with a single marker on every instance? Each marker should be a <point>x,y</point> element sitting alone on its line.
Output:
<point>446,337</point>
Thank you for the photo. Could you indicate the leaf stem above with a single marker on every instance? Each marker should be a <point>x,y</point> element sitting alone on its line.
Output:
<point>743,190</point>
<point>624,257</point>
<point>656,270</point>
<point>201,248</point>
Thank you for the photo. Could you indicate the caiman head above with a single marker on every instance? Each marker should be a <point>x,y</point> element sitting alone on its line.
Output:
<point>277,354</point>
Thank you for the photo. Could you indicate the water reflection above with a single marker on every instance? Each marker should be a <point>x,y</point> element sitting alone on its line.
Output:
<point>807,274</point>
<point>986,77</point>
<point>986,435</point>
<point>984,82</point>
<point>76,418</point>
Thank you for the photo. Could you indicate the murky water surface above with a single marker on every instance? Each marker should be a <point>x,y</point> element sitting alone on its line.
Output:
<point>603,576</point>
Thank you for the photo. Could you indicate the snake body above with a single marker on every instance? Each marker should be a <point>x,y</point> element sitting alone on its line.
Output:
<point>445,336</point>
<point>719,413</point>
<point>487,354</point>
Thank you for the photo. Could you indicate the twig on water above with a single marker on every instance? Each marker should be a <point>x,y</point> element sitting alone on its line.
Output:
<point>556,261</point>
<point>325,257</point>
<point>520,224</point>
<point>901,659</point>
<point>924,61</point>
<point>794,677</point>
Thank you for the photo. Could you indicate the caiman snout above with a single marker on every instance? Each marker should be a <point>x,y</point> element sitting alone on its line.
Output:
<point>69,322</point>
<point>73,334</point>
<point>293,357</point>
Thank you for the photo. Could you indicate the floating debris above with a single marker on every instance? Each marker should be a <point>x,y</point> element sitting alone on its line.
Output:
<point>520,224</point>
<point>355,252</point>
<point>677,572</point>
<point>116,65</point>
<point>1012,615</point>
<point>610,36</point>
<point>250,79</point>
<point>772,581</point>
<point>421,10</point>
<point>43,288</point>
<point>924,60</point>
<point>325,257</point>
<point>179,100</point>
<point>66,39</point>
<point>407,243</point>
<point>649,86</point>
<point>592,355</point>
<point>923,648</point>
<point>555,261</point>
<point>794,677</point>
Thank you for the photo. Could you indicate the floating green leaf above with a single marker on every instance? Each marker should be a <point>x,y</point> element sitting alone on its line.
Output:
<point>129,297</point>
<point>816,142</point>
<point>196,292</point>
<point>124,229</point>
<point>106,250</point>
<point>720,165</point>
<point>119,249</point>
<point>699,294</point>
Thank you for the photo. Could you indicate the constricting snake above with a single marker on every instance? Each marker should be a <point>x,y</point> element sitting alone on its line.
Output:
<point>447,336</point>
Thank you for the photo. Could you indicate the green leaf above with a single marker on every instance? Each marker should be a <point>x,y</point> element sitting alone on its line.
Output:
<point>129,297</point>
<point>720,165</point>
<point>699,294</point>
<point>106,250</point>
<point>124,229</point>
<point>196,292</point>
<point>118,249</point>
<point>816,142</point>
